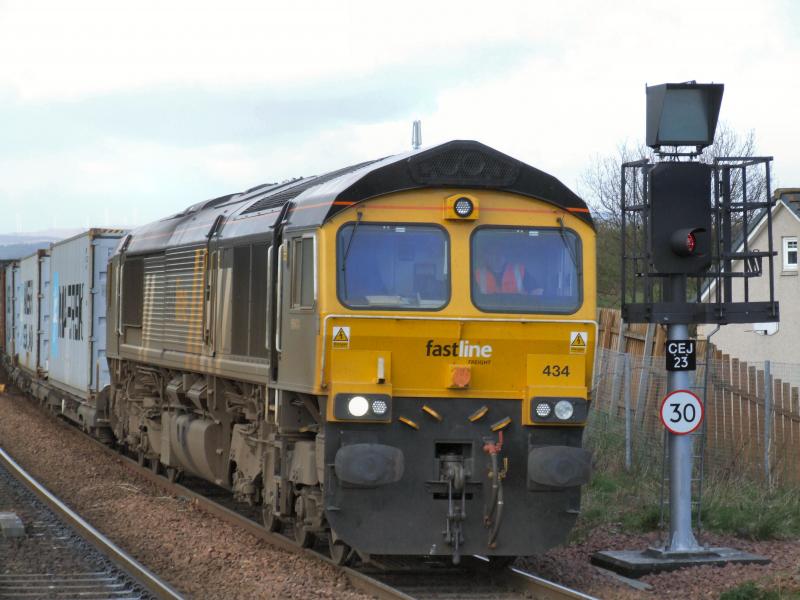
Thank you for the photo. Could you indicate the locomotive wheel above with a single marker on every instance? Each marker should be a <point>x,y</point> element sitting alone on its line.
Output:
<point>303,537</point>
<point>341,553</point>
<point>270,520</point>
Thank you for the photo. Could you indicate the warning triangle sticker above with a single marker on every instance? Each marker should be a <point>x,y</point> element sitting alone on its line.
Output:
<point>341,336</point>
<point>577,342</point>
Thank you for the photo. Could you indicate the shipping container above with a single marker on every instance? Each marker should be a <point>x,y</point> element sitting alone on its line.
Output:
<point>77,344</point>
<point>33,318</point>
<point>3,308</point>
<point>12,273</point>
<point>8,315</point>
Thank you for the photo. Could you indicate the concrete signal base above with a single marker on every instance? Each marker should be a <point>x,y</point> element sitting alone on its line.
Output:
<point>635,563</point>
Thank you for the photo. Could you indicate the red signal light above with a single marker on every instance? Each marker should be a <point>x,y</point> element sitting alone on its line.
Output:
<point>690,242</point>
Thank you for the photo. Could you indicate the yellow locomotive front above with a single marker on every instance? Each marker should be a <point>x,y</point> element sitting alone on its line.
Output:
<point>455,351</point>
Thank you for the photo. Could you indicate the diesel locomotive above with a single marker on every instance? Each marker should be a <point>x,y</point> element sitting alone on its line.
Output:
<point>395,356</point>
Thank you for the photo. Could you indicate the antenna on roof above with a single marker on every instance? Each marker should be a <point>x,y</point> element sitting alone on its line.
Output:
<point>416,135</point>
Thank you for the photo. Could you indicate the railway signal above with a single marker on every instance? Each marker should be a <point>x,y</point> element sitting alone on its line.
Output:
<point>674,229</point>
<point>680,217</point>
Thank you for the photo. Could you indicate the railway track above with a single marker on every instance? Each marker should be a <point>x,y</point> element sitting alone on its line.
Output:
<point>60,555</point>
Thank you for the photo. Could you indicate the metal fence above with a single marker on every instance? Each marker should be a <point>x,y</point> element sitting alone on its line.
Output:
<point>752,412</point>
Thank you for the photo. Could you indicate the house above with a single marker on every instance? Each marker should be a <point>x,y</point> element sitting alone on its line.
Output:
<point>778,342</point>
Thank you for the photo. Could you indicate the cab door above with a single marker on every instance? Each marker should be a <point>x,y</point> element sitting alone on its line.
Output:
<point>296,331</point>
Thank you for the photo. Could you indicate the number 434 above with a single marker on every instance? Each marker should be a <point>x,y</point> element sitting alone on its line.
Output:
<point>556,371</point>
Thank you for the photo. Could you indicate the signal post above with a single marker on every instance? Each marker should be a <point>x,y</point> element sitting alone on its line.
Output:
<point>681,266</point>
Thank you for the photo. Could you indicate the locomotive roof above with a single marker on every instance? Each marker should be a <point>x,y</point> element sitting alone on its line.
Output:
<point>314,200</point>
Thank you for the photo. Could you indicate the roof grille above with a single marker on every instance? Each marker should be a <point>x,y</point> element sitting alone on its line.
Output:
<point>284,195</point>
<point>459,166</point>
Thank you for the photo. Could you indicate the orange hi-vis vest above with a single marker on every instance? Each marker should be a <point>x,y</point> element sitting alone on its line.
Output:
<point>512,282</point>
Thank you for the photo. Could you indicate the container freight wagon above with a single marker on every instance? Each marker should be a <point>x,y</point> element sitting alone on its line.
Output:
<point>9,314</point>
<point>3,264</point>
<point>77,368</point>
<point>33,316</point>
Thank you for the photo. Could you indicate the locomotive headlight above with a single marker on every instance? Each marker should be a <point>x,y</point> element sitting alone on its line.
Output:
<point>564,410</point>
<point>362,407</point>
<point>463,207</point>
<point>558,411</point>
<point>358,406</point>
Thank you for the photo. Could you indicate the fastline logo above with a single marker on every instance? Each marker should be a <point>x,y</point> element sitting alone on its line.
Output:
<point>462,348</point>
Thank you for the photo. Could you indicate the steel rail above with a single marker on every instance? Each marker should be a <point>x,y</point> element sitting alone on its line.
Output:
<point>119,557</point>
<point>543,588</point>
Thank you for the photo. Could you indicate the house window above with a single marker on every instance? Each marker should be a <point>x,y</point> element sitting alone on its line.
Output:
<point>790,253</point>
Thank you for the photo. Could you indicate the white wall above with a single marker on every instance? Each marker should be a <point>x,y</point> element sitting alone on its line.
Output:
<point>739,340</point>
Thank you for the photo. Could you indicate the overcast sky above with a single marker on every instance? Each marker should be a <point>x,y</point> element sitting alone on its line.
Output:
<point>118,113</point>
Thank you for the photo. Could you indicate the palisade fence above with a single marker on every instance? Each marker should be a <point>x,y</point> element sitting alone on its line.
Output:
<point>751,428</point>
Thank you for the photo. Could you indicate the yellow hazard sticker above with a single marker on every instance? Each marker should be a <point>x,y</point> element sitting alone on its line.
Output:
<point>341,337</point>
<point>578,340</point>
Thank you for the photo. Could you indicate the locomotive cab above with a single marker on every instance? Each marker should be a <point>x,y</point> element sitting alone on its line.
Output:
<point>456,356</point>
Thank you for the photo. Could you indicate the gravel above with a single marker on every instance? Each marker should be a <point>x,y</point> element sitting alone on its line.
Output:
<point>198,554</point>
<point>570,566</point>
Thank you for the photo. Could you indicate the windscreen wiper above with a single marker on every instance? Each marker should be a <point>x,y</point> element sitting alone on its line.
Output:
<point>347,252</point>
<point>570,249</point>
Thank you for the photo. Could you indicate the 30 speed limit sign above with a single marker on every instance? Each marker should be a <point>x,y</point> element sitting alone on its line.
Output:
<point>681,412</point>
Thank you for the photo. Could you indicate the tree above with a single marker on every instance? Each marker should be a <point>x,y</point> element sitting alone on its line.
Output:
<point>600,186</point>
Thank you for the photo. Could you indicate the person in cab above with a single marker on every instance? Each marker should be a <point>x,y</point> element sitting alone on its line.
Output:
<point>497,273</point>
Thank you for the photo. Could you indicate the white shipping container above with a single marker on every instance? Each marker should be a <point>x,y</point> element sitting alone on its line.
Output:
<point>11,270</point>
<point>78,275</point>
<point>28,315</point>
<point>18,287</point>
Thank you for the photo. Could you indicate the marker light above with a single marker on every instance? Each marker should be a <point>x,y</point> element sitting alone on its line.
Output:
<point>379,407</point>
<point>690,242</point>
<point>463,207</point>
<point>564,409</point>
<point>358,406</point>
<point>543,410</point>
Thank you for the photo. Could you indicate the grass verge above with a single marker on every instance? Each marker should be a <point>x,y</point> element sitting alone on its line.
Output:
<point>731,503</point>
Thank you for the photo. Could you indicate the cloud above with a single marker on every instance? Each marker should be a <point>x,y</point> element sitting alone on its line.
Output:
<point>141,109</point>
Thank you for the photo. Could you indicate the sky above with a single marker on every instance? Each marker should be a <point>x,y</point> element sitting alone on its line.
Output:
<point>120,113</point>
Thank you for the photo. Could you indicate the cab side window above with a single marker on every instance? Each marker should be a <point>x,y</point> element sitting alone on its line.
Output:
<point>302,273</point>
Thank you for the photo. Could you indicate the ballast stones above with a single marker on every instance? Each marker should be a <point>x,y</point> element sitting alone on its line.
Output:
<point>11,525</point>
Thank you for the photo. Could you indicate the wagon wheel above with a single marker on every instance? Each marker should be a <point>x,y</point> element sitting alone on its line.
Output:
<point>271,521</point>
<point>302,535</point>
<point>341,553</point>
<point>174,475</point>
